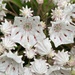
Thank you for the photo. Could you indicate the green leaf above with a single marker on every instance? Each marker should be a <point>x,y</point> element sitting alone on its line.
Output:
<point>17,2</point>
<point>73,1</point>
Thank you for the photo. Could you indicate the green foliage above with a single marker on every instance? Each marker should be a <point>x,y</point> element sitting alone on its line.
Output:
<point>72,1</point>
<point>17,2</point>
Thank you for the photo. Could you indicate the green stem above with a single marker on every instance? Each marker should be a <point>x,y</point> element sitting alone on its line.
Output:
<point>12,8</point>
<point>7,11</point>
<point>17,4</point>
<point>19,48</point>
<point>39,9</point>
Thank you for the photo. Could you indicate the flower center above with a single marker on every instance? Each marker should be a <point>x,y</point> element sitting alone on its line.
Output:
<point>27,26</point>
<point>57,28</point>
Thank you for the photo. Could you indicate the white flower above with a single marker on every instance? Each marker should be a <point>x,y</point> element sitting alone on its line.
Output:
<point>73,11</point>
<point>39,66</point>
<point>64,14</point>
<point>25,0</point>
<point>2,14</point>
<point>30,53</point>
<point>57,70</point>
<point>8,43</point>
<point>61,58</point>
<point>51,54</point>
<point>30,28</point>
<point>16,35</point>
<point>6,27</point>
<point>69,12</point>
<point>2,9</point>
<point>55,1</point>
<point>14,56</point>
<point>61,33</point>
<point>63,3</point>
<point>26,12</point>
<point>43,47</point>
<point>27,71</point>
<point>24,41</point>
<point>2,5</point>
<point>52,69</point>
<point>43,24</point>
<point>57,14</point>
<point>61,72</point>
<point>11,64</point>
<point>40,1</point>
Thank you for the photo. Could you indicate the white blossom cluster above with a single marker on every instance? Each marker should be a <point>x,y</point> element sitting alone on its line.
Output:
<point>62,30</point>
<point>28,31</point>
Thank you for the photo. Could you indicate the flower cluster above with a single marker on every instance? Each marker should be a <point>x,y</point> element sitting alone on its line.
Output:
<point>62,25</point>
<point>28,45</point>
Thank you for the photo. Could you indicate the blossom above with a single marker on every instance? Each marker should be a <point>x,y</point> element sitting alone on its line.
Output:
<point>40,1</point>
<point>59,33</point>
<point>43,24</point>
<point>61,58</point>
<point>56,69</point>
<point>57,14</point>
<point>8,43</point>
<point>16,35</point>
<point>52,69</point>
<point>43,47</point>
<point>69,12</point>
<point>25,0</point>
<point>30,28</point>
<point>51,54</point>
<point>63,17</point>
<point>27,12</point>
<point>62,1</point>
<point>30,53</point>
<point>6,27</point>
<point>64,14</point>
<point>73,10</point>
<point>39,66</point>
<point>27,71</point>
<point>11,64</point>
<point>61,72</point>
<point>2,9</point>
